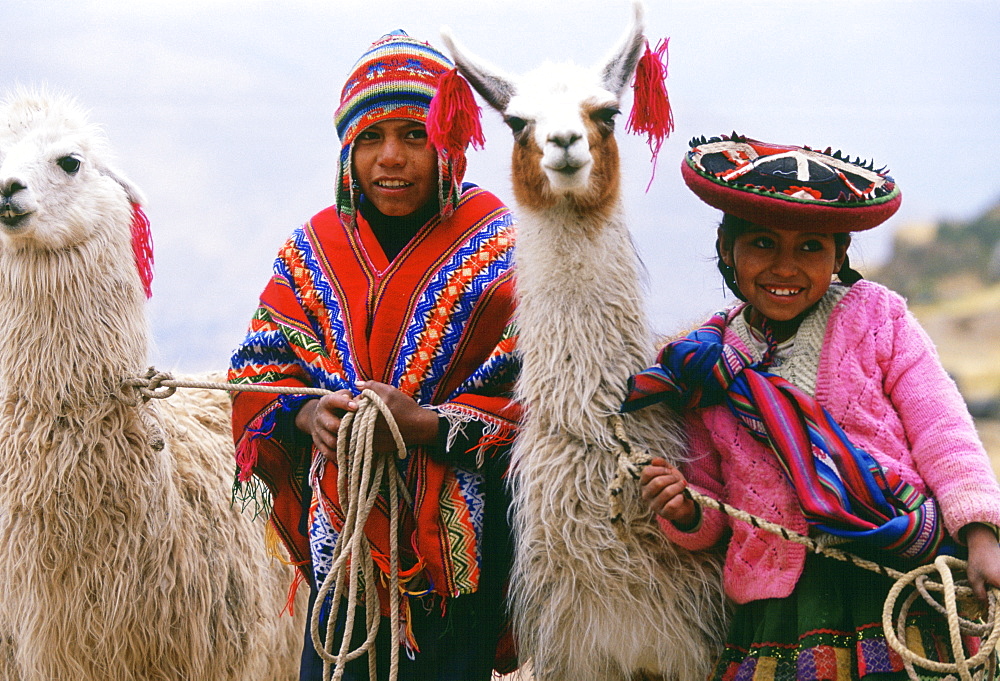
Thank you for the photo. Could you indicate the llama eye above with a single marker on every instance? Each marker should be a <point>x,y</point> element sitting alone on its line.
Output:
<point>516,124</point>
<point>605,116</point>
<point>70,164</point>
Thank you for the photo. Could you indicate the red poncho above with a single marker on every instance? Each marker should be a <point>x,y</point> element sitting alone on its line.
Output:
<point>431,323</point>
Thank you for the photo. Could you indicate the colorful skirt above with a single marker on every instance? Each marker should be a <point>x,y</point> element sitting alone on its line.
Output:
<point>829,629</point>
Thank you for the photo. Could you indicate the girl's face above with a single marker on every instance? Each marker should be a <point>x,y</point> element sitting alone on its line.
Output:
<point>783,273</point>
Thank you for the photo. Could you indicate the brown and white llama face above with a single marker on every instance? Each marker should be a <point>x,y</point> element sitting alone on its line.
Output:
<point>562,117</point>
<point>53,187</point>
<point>563,125</point>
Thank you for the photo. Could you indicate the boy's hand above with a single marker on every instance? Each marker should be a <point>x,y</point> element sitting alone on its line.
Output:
<point>321,417</point>
<point>417,425</point>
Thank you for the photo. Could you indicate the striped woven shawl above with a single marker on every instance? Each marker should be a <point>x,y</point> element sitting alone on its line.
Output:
<point>841,488</point>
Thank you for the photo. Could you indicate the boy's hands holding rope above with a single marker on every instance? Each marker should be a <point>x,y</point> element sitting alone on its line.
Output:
<point>321,418</point>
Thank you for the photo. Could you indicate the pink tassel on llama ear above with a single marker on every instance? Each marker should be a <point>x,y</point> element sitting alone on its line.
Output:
<point>453,119</point>
<point>142,248</point>
<point>651,113</point>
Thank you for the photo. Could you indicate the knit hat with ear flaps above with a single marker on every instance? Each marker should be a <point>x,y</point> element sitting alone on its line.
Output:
<point>396,78</point>
<point>787,187</point>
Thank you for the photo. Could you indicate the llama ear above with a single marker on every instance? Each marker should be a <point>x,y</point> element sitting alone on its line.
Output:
<point>620,67</point>
<point>135,194</point>
<point>492,86</point>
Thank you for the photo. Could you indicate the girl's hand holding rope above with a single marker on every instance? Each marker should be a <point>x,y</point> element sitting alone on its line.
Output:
<point>984,558</point>
<point>663,490</point>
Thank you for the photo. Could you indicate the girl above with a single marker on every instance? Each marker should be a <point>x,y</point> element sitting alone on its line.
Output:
<point>819,406</point>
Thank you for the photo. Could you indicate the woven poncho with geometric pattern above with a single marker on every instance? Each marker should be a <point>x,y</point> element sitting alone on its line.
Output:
<point>432,323</point>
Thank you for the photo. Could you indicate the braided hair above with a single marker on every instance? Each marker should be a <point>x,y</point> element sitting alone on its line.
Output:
<point>732,227</point>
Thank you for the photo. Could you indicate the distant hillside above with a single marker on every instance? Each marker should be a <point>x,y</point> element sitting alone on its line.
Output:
<point>950,275</point>
<point>933,263</point>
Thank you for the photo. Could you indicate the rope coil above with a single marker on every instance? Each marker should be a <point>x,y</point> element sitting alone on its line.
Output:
<point>984,660</point>
<point>362,474</point>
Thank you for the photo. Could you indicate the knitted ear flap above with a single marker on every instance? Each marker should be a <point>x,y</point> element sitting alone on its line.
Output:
<point>453,121</point>
<point>651,113</point>
<point>142,248</point>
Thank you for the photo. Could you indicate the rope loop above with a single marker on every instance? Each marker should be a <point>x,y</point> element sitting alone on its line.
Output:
<point>629,466</point>
<point>152,385</point>
<point>983,662</point>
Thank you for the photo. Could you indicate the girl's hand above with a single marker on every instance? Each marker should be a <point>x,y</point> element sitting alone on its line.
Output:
<point>663,489</point>
<point>984,558</point>
<point>321,417</point>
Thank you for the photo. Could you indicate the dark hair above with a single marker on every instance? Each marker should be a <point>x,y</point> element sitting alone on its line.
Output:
<point>732,227</point>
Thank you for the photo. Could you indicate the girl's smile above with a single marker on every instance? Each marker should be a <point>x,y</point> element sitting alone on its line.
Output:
<point>783,273</point>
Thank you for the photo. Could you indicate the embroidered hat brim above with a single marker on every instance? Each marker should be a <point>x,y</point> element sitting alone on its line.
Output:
<point>789,187</point>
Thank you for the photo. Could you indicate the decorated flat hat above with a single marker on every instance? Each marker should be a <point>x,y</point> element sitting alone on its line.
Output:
<point>788,187</point>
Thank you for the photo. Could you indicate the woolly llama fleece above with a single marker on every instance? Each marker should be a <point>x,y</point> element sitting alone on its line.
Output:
<point>591,598</point>
<point>122,558</point>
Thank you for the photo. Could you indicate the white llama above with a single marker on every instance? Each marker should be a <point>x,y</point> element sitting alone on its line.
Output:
<point>122,559</point>
<point>591,599</point>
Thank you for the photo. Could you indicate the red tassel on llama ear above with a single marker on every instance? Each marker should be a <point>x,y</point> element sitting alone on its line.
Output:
<point>453,118</point>
<point>142,248</point>
<point>651,113</point>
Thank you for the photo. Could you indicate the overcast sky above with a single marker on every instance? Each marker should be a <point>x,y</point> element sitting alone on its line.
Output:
<point>221,111</point>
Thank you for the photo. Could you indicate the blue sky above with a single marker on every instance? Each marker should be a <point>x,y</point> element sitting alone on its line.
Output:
<point>221,111</point>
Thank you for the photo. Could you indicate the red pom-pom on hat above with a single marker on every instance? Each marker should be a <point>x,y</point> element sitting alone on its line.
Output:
<point>453,121</point>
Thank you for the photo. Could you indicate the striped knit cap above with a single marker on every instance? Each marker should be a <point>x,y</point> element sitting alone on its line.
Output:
<point>396,78</point>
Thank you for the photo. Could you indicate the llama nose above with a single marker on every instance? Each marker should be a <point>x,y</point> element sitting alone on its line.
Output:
<point>11,186</point>
<point>564,139</point>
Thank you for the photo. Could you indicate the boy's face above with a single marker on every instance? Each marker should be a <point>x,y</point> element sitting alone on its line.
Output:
<point>394,165</point>
<point>783,273</point>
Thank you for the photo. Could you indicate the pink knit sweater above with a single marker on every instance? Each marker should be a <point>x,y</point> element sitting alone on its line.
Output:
<point>880,379</point>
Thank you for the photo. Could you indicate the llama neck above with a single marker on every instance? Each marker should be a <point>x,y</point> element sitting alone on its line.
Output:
<point>582,322</point>
<point>74,324</point>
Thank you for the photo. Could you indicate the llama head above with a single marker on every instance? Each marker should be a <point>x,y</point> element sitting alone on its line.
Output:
<point>56,185</point>
<point>563,118</point>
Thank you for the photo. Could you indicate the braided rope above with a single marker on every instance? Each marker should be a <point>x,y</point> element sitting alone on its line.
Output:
<point>630,463</point>
<point>362,475</point>
<point>160,385</point>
